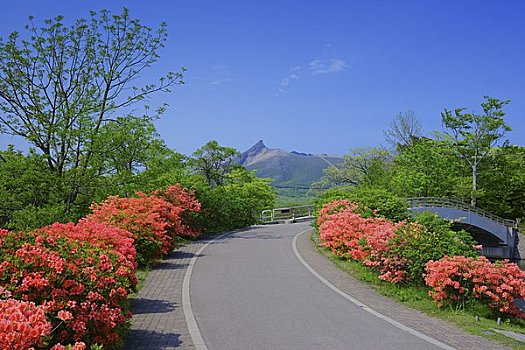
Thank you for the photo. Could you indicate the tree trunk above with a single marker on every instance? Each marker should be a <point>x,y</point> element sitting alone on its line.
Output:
<point>474,184</point>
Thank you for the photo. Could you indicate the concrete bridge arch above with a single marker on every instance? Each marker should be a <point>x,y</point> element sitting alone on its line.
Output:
<point>499,237</point>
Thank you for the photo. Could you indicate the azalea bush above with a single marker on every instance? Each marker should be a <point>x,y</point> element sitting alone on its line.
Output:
<point>23,324</point>
<point>82,287</point>
<point>428,238</point>
<point>373,201</point>
<point>456,280</point>
<point>187,207</point>
<point>155,221</point>
<point>345,230</point>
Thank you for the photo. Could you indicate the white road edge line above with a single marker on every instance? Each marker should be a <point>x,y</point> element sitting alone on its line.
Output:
<point>195,334</point>
<point>360,304</point>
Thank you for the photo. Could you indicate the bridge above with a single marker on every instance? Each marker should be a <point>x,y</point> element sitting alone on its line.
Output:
<point>499,237</point>
<point>286,215</point>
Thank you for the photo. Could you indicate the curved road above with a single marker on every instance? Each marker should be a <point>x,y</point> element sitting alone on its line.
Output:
<point>249,291</point>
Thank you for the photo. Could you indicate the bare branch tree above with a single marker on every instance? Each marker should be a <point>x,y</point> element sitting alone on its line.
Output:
<point>404,128</point>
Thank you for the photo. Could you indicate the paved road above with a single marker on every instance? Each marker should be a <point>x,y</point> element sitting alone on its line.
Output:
<point>249,291</point>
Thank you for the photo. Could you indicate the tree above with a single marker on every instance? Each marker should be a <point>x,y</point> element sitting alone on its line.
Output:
<point>502,177</point>
<point>62,84</point>
<point>30,194</point>
<point>427,168</point>
<point>404,129</point>
<point>214,162</point>
<point>474,135</point>
<point>361,166</point>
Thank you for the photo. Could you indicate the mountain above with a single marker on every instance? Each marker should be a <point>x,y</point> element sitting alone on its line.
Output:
<point>290,170</point>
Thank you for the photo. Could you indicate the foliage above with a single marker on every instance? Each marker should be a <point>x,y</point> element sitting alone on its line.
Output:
<point>430,238</point>
<point>378,201</point>
<point>456,280</point>
<point>235,204</point>
<point>60,85</point>
<point>29,192</point>
<point>502,178</point>
<point>154,221</point>
<point>83,287</point>
<point>361,166</point>
<point>473,135</point>
<point>428,168</point>
<point>214,162</point>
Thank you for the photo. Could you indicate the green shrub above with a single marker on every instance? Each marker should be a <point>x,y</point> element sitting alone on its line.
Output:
<point>376,200</point>
<point>429,238</point>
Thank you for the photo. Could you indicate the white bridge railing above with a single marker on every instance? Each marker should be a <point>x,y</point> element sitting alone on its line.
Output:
<point>290,213</point>
<point>428,202</point>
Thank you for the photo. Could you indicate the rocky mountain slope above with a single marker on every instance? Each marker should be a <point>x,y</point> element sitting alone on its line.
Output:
<point>290,170</point>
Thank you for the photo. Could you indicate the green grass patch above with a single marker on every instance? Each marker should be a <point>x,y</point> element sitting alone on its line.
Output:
<point>285,201</point>
<point>416,297</point>
<point>141,274</point>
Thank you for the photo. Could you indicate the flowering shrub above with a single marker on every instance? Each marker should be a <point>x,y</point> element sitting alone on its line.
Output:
<point>23,325</point>
<point>329,209</point>
<point>83,287</point>
<point>456,280</point>
<point>430,238</point>
<point>185,206</point>
<point>154,221</point>
<point>341,229</point>
<point>100,235</point>
<point>348,234</point>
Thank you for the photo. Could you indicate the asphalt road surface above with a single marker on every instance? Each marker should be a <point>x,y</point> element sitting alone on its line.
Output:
<point>249,291</point>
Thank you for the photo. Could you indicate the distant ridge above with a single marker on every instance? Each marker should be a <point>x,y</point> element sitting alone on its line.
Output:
<point>293,170</point>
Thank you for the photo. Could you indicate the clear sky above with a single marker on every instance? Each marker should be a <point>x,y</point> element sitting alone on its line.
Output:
<point>319,76</point>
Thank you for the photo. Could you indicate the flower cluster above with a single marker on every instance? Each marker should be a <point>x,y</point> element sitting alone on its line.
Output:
<point>454,280</point>
<point>23,325</point>
<point>83,287</point>
<point>155,221</point>
<point>185,207</point>
<point>68,283</point>
<point>348,234</point>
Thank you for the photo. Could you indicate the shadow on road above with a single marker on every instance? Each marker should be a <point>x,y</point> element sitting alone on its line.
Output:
<point>139,339</point>
<point>151,306</point>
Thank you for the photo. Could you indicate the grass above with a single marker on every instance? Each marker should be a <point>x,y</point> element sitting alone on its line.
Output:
<point>141,274</point>
<point>285,201</point>
<point>416,297</point>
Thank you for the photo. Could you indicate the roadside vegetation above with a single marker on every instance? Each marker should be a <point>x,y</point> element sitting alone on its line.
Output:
<point>421,261</point>
<point>364,226</point>
<point>99,198</point>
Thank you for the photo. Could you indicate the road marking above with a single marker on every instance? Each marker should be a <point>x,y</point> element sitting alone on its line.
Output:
<point>193,328</point>
<point>360,304</point>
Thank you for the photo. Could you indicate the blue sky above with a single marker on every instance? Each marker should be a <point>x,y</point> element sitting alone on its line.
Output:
<point>319,76</point>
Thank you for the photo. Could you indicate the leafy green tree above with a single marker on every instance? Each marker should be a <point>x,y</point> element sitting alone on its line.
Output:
<point>427,168</point>
<point>61,85</point>
<point>361,166</point>
<point>30,194</point>
<point>235,204</point>
<point>502,177</point>
<point>125,147</point>
<point>474,135</point>
<point>214,162</point>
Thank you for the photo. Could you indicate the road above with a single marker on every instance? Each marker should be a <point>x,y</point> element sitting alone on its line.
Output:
<point>249,291</point>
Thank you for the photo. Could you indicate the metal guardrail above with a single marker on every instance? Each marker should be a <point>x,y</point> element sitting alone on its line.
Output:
<point>427,202</point>
<point>290,213</point>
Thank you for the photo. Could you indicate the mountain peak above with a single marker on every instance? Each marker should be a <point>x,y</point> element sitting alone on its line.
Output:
<point>252,152</point>
<point>258,146</point>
